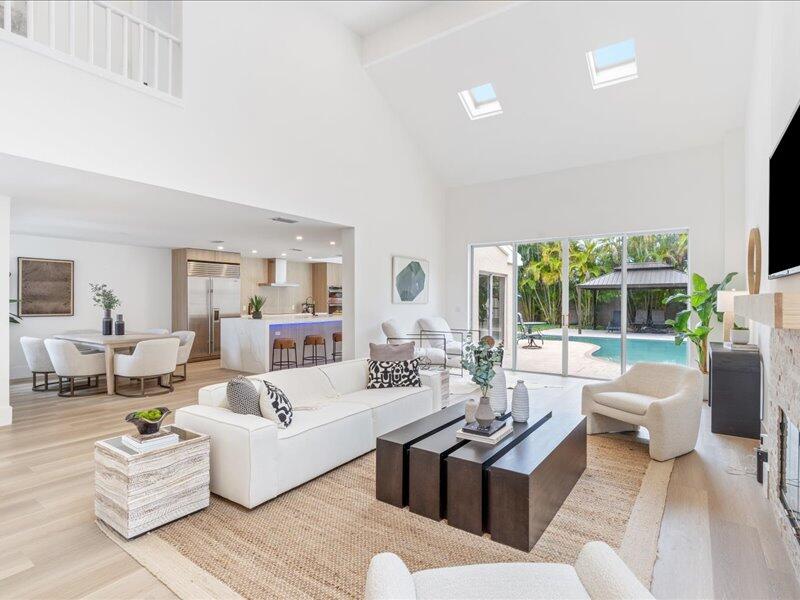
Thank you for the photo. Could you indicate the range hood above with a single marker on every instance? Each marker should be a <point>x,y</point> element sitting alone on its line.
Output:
<point>277,274</point>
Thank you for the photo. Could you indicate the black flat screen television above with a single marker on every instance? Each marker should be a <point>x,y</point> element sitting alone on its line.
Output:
<point>784,190</point>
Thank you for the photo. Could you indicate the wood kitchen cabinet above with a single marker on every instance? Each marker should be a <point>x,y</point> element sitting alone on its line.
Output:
<point>326,276</point>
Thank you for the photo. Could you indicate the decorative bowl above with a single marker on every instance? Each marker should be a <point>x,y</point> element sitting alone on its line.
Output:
<point>147,426</point>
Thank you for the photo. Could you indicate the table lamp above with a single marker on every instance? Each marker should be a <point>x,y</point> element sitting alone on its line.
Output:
<point>725,306</point>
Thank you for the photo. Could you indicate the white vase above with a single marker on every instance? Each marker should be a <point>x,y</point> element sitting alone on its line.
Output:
<point>470,408</point>
<point>498,396</point>
<point>520,403</point>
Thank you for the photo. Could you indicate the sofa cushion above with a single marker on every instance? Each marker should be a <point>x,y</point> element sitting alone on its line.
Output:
<point>398,373</point>
<point>303,387</point>
<point>306,419</point>
<point>242,396</point>
<point>347,376</point>
<point>275,405</point>
<point>375,398</point>
<point>500,580</point>
<point>628,402</point>
<point>391,351</point>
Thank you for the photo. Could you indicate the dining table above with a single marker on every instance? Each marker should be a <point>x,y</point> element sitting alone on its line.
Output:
<point>532,334</point>
<point>109,344</point>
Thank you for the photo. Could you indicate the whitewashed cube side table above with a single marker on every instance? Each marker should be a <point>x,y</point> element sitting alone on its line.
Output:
<point>440,385</point>
<point>139,491</point>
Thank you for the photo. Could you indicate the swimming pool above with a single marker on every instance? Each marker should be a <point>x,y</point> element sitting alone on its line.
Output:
<point>639,350</point>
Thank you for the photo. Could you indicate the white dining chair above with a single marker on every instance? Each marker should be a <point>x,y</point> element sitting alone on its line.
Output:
<point>85,348</point>
<point>38,361</point>
<point>157,331</point>
<point>184,350</point>
<point>152,359</point>
<point>70,363</point>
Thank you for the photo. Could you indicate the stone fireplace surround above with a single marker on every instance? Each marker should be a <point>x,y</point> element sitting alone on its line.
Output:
<point>783,393</point>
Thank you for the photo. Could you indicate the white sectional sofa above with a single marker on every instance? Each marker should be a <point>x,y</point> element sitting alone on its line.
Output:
<point>336,419</point>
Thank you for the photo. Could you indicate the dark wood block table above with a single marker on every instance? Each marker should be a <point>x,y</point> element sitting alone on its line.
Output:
<point>529,483</point>
<point>467,497</point>
<point>391,460</point>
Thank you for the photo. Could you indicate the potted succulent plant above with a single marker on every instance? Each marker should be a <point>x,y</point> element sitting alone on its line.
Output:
<point>257,302</point>
<point>148,422</point>
<point>479,361</point>
<point>739,334</point>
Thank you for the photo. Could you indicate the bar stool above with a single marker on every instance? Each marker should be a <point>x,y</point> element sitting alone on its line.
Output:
<point>281,344</point>
<point>337,339</point>
<point>315,341</point>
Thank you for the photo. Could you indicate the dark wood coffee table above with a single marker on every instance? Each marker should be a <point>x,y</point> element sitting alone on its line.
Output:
<point>512,489</point>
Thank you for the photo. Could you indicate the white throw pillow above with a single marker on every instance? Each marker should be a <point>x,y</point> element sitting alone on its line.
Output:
<point>275,406</point>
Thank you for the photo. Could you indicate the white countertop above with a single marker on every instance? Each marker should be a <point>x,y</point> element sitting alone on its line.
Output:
<point>291,318</point>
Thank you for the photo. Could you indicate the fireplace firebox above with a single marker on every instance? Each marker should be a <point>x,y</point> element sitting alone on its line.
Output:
<point>790,471</point>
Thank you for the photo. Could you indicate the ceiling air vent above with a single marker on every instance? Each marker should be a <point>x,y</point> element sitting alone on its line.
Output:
<point>296,249</point>
<point>284,220</point>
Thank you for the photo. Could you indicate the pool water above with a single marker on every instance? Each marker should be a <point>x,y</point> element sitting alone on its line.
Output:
<point>639,350</point>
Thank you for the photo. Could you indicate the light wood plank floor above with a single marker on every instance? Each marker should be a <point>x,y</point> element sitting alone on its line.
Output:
<point>717,540</point>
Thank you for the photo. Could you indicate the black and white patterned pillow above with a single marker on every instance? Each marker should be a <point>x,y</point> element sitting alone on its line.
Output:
<point>278,406</point>
<point>395,373</point>
<point>243,396</point>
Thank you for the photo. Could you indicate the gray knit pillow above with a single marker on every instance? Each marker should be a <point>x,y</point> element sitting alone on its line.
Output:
<point>243,396</point>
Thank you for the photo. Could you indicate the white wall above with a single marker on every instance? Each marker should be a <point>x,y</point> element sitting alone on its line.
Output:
<point>141,277</point>
<point>678,190</point>
<point>5,408</point>
<point>278,112</point>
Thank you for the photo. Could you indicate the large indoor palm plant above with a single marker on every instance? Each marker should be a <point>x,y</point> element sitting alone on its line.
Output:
<point>702,301</point>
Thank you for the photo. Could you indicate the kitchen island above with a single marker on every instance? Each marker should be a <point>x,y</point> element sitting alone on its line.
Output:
<point>246,343</point>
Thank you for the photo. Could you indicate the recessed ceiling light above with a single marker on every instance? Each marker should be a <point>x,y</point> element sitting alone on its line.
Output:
<point>480,101</point>
<point>613,64</point>
<point>254,251</point>
<point>283,253</point>
<point>333,243</point>
<point>299,237</point>
<point>220,247</point>
<point>310,258</point>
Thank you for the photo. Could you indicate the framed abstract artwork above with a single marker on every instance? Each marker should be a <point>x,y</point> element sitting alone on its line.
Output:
<point>45,287</point>
<point>409,280</point>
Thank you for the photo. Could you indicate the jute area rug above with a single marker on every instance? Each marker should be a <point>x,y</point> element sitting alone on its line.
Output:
<point>316,541</point>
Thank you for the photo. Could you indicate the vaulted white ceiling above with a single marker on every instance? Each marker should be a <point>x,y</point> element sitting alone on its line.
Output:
<point>694,65</point>
<point>367,16</point>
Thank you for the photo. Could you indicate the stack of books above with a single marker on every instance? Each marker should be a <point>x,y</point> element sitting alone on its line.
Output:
<point>142,443</point>
<point>741,347</point>
<point>491,435</point>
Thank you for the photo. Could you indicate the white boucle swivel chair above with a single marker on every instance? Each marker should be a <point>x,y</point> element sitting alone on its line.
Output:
<point>38,361</point>
<point>152,359</point>
<point>70,364</point>
<point>665,399</point>
<point>598,574</point>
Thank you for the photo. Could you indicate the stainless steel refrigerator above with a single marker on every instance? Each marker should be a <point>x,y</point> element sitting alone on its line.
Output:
<point>213,294</point>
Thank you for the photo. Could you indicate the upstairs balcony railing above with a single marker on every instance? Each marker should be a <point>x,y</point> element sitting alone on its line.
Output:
<point>96,36</point>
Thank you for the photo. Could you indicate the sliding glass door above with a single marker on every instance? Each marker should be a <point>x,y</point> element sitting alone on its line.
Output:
<point>585,307</point>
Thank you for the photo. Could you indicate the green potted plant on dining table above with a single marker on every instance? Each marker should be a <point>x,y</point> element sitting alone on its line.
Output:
<point>105,298</point>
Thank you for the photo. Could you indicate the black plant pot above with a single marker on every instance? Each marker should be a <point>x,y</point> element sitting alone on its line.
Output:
<point>108,322</point>
<point>146,427</point>
<point>256,314</point>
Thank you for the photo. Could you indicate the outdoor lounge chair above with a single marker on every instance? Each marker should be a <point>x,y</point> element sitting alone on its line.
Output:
<point>658,323</point>
<point>640,321</point>
<point>614,323</point>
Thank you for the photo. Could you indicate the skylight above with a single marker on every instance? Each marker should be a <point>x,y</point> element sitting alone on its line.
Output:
<point>480,101</point>
<point>613,64</point>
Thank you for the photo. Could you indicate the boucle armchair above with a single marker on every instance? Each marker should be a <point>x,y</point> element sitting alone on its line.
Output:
<point>665,399</point>
<point>598,573</point>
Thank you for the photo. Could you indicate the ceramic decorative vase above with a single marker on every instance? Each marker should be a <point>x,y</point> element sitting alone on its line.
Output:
<point>470,408</point>
<point>145,426</point>
<point>498,394</point>
<point>520,403</point>
<point>108,322</point>
<point>119,326</point>
<point>256,314</point>
<point>484,415</point>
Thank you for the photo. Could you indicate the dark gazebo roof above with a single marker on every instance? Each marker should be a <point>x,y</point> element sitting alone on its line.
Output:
<point>649,275</point>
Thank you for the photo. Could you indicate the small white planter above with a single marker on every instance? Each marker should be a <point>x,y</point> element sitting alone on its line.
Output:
<point>740,336</point>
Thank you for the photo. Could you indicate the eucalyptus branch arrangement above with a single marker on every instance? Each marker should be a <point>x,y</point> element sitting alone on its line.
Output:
<point>479,361</point>
<point>103,296</point>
